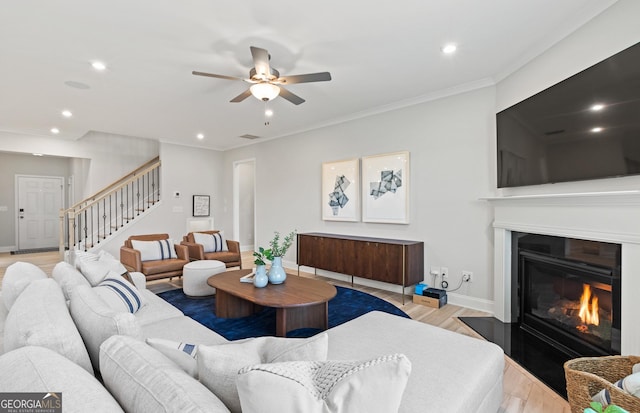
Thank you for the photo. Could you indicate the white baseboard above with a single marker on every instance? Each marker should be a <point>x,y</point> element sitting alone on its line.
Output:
<point>461,300</point>
<point>244,248</point>
<point>8,249</point>
<point>473,303</point>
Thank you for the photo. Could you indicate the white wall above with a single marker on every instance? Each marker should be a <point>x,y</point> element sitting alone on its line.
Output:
<point>190,171</point>
<point>607,34</point>
<point>246,203</point>
<point>451,144</point>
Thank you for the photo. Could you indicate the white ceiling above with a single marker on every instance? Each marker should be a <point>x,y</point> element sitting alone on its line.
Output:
<point>380,56</point>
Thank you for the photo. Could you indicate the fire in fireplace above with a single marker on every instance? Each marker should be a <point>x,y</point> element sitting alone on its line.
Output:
<point>568,299</point>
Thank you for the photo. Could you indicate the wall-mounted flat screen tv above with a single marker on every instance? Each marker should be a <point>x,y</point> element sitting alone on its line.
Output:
<point>585,127</point>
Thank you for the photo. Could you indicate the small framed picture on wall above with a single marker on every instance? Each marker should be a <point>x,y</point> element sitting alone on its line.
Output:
<point>201,206</point>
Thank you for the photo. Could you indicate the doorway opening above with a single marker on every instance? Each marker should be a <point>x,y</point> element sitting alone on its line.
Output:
<point>244,211</point>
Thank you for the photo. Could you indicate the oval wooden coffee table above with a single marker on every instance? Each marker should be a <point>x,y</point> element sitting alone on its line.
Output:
<point>299,302</point>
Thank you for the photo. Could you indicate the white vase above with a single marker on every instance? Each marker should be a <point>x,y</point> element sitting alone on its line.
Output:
<point>277,275</point>
<point>261,279</point>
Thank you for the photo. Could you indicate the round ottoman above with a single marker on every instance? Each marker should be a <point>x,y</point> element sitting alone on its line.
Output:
<point>195,275</point>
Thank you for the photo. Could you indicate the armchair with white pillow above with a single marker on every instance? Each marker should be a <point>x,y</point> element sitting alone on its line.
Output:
<point>154,255</point>
<point>211,245</point>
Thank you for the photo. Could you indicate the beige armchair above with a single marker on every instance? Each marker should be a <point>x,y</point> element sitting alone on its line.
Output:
<point>153,258</point>
<point>230,258</point>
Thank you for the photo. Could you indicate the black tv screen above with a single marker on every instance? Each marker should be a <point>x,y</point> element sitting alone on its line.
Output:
<point>585,127</point>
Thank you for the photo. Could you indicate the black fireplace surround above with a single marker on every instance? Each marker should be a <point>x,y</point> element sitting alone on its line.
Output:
<point>549,275</point>
<point>567,292</point>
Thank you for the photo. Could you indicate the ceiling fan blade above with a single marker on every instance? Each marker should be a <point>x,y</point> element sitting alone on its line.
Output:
<point>295,99</point>
<point>242,96</point>
<point>311,77</point>
<point>261,61</point>
<point>214,75</point>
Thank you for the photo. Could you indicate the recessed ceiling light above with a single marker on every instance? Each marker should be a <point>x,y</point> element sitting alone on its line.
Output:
<point>100,66</point>
<point>37,154</point>
<point>55,131</point>
<point>268,112</point>
<point>596,129</point>
<point>67,113</point>
<point>597,107</point>
<point>200,136</point>
<point>449,48</point>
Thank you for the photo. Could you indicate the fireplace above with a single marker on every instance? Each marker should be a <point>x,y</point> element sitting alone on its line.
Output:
<point>567,292</point>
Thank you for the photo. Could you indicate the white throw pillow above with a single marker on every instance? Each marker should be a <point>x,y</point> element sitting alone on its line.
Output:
<point>155,250</point>
<point>96,271</point>
<point>211,242</point>
<point>80,256</point>
<point>374,385</point>
<point>143,380</point>
<point>183,354</point>
<point>218,366</point>
<point>119,294</point>
<point>16,278</point>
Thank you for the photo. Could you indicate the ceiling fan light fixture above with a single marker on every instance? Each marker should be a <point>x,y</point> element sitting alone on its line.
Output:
<point>265,91</point>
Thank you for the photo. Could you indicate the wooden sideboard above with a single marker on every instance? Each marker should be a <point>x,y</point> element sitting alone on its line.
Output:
<point>389,260</point>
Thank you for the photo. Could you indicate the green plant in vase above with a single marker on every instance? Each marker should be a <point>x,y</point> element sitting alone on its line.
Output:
<point>277,275</point>
<point>261,279</point>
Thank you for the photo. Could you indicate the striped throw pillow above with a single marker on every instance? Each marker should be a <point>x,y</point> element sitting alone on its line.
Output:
<point>119,294</point>
<point>155,250</point>
<point>211,242</point>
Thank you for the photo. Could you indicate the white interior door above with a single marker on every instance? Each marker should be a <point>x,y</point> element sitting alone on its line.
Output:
<point>39,200</point>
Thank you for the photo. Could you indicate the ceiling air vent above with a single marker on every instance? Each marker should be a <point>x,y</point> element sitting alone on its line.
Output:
<point>248,136</point>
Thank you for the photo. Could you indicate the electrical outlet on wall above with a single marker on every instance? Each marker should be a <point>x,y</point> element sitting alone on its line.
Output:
<point>467,276</point>
<point>444,271</point>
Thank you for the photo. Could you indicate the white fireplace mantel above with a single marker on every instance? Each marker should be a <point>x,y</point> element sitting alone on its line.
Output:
<point>598,216</point>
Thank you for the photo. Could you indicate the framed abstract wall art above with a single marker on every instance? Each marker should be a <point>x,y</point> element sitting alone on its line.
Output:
<point>385,188</point>
<point>341,190</point>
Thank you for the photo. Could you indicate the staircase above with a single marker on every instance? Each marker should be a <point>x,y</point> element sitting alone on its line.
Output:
<point>90,221</point>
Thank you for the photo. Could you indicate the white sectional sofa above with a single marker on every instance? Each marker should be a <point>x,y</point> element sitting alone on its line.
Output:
<point>67,329</point>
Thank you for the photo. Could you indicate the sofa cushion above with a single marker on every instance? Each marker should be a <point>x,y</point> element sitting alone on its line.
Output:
<point>162,266</point>
<point>96,321</point>
<point>211,242</point>
<point>325,386</point>
<point>155,250</point>
<point>224,256</point>
<point>455,358</point>
<point>40,317</point>
<point>181,328</point>
<point>183,354</point>
<point>218,366</point>
<point>67,276</point>
<point>37,369</point>
<point>16,278</point>
<point>143,380</point>
<point>119,294</point>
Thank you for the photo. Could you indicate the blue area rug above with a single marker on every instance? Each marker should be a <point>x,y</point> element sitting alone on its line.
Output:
<point>346,305</point>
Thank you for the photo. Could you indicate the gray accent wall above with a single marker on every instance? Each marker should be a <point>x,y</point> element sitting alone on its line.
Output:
<point>12,164</point>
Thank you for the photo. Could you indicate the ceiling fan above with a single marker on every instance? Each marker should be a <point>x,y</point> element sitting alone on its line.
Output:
<point>267,84</point>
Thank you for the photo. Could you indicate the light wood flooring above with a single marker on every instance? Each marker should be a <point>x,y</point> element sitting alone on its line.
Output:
<point>523,393</point>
